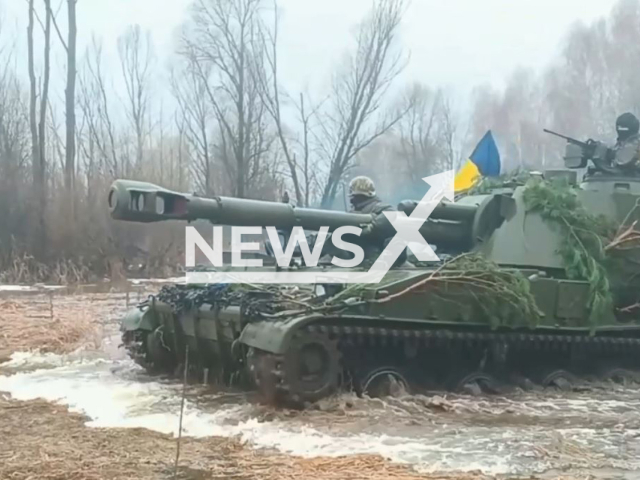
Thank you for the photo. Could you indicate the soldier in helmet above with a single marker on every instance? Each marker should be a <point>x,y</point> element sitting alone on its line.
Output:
<point>362,194</point>
<point>375,236</point>
<point>626,151</point>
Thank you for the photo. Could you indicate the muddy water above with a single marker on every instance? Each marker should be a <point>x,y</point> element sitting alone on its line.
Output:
<point>596,430</point>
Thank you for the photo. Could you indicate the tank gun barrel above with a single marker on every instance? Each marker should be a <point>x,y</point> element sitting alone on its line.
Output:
<point>144,202</point>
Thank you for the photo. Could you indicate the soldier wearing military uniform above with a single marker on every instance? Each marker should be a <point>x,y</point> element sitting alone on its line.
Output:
<point>626,152</point>
<point>375,236</point>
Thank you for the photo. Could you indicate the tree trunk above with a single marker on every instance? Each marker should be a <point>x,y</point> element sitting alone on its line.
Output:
<point>42,126</point>
<point>70,153</point>
<point>38,161</point>
<point>33,122</point>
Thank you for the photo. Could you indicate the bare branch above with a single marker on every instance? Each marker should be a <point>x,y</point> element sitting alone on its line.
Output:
<point>71,4</point>
<point>136,61</point>
<point>359,91</point>
<point>223,48</point>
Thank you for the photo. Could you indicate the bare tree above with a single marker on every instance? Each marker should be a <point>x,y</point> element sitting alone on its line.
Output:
<point>38,122</point>
<point>308,173</point>
<point>449,126</point>
<point>194,114</point>
<point>14,161</point>
<point>295,147</point>
<point>222,48</point>
<point>421,139</point>
<point>423,142</point>
<point>181,148</point>
<point>270,95</point>
<point>136,61</point>
<point>94,107</point>
<point>44,97</point>
<point>354,119</point>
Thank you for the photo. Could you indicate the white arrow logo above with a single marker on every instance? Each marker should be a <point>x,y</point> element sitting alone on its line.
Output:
<point>408,227</point>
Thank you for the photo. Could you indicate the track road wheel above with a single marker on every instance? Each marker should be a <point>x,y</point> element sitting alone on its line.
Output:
<point>310,368</point>
<point>561,379</point>
<point>474,383</point>
<point>523,382</point>
<point>621,376</point>
<point>385,382</point>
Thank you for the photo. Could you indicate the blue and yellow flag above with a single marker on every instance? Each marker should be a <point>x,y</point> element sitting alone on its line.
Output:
<point>483,162</point>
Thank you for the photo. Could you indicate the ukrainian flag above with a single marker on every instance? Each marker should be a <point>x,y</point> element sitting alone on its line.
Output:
<point>483,162</point>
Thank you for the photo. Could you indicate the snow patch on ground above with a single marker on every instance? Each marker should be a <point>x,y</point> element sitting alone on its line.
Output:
<point>29,288</point>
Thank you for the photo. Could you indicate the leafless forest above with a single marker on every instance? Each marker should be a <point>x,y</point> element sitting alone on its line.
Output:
<point>234,129</point>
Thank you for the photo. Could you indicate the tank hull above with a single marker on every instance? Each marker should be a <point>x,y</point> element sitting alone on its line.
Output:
<point>418,341</point>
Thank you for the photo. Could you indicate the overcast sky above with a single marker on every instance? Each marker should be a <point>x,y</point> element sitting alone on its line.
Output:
<point>453,43</point>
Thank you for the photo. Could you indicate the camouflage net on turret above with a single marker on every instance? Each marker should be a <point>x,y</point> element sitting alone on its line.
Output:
<point>492,295</point>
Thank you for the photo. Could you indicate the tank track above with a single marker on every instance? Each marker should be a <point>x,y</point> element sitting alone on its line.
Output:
<point>395,335</point>
<point>553,358</point>
<point>429,359</point>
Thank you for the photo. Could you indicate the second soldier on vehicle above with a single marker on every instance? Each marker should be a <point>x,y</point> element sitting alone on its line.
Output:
<point>626,152</point>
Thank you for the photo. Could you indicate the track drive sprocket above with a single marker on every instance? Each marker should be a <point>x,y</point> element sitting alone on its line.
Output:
<point>308,371</point>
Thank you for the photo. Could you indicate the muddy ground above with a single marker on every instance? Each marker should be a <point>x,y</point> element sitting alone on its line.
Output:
<point>45,440</point>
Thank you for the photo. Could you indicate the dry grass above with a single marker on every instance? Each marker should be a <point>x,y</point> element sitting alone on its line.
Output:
<point>55,323</point>
<point>25,269</point>
<point>59,333</point>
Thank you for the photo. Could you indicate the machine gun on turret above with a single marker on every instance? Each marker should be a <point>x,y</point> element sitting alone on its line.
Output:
<point>578,153</point>
<point>588,145</point>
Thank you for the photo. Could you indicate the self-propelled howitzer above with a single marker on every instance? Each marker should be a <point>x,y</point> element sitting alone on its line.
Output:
<point>535,286</point>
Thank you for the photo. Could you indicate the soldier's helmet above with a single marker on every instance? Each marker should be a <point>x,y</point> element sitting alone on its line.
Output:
<point>627,125</point>
<point>362,186</point>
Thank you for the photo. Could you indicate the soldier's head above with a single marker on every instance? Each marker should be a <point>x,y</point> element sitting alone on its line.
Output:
<point>627,125</point>
<point>361,188</point>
